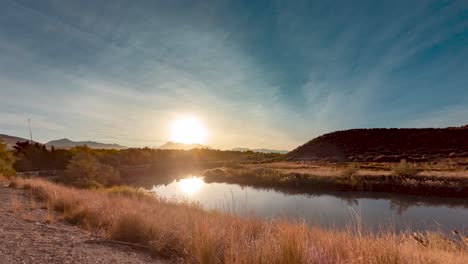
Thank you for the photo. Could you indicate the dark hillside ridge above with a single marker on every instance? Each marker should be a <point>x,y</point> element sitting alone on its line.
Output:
<point>386,145</point>
<point>10,141</point>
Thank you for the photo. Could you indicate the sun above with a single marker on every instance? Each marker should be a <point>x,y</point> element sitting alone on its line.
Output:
<point>188,130</point>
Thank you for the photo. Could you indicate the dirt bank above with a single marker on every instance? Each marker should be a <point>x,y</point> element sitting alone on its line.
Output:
<point>29,234</point>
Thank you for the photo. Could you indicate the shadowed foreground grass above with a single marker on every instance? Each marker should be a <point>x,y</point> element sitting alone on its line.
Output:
<point>185,233</point>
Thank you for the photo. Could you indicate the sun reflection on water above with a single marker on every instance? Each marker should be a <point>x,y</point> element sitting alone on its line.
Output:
<point>191,185</point>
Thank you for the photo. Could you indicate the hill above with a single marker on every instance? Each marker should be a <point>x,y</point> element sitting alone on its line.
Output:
<point>10,141</point>
<point>262,150</point>
<point>386,145</point>
<point>183,146</point>
<point>67,143</point>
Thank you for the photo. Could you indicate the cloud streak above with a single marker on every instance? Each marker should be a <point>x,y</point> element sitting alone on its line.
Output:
<point>267,74</point>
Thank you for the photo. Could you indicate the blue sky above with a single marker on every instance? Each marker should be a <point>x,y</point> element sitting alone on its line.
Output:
<point>257,73</point>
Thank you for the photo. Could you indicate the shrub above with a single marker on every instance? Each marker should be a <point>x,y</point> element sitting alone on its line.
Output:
<point>350,171</point>
<point>404,170</point>
<point>124,190</point>
<point>84,170</point>
<point>6,161</point>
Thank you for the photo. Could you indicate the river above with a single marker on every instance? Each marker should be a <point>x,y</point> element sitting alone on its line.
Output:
<point>371,211</point>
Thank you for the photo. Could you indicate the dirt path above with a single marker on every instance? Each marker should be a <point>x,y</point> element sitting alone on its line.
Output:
<point>28,236</point>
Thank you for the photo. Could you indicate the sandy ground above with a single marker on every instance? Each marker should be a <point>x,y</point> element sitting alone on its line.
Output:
<point>26,236</point>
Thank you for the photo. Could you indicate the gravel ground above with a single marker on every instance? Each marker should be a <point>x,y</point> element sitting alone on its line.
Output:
<point>26,237</point>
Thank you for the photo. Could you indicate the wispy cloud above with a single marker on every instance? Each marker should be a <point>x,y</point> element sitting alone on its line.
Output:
<point>272,74</point>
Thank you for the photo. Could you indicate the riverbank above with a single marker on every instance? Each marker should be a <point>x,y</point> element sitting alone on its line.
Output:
<point>185,233</point>
<point>29,233</point>
<point>391,178</point>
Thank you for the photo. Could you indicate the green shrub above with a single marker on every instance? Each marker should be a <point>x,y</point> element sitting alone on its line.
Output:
<point>84,170</point>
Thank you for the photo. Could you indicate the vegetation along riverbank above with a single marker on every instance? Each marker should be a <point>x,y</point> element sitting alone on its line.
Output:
<point>403,177</point>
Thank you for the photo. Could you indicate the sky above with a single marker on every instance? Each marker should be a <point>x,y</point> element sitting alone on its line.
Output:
<point>270,74</point>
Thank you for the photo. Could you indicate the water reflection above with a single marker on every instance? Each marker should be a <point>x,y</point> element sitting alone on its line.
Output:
<point>338,209</point>
<point>191,185</point>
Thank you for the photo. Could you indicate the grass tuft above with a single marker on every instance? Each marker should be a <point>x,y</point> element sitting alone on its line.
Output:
<point>404,170</point>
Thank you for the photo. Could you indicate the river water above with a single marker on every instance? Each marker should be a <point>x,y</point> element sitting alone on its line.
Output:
<point>372,211</point>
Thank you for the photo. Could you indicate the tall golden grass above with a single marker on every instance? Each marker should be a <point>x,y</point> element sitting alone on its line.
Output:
<point>186,233</point>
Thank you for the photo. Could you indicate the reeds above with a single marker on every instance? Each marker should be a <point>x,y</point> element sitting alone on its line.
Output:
<point>403,178</point>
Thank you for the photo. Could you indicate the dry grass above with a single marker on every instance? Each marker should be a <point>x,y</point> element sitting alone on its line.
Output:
<point>30,217</point>
<point>188,234</point>
<point>405,169</point>
<point>15,204</point>
<point>441,168</point>
<point>400,177</point>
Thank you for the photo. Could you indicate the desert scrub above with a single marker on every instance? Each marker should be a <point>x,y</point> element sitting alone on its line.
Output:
<point>350,171</point>
<point>6,161</point>
<point>404,170</point>
<point>402,178</point>
<point>85,171</point>
<point>127,191</point>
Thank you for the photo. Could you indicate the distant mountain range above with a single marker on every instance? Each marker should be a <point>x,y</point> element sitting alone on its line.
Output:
<point>262,150</point>
<point>65,143</point>
<point>183,146</point>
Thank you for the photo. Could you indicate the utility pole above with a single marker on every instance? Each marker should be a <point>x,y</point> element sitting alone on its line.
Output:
<point>30,133</point>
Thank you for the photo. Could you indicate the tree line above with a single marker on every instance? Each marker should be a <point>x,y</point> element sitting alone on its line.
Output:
<point>84,166</point>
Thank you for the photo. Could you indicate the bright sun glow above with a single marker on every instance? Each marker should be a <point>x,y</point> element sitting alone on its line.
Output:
<point>188,130</point>
<point>191,185</point>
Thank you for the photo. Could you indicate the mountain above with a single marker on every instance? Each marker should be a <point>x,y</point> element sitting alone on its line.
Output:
<point>183,146</point>
<point>66,144</point>
<point>262,150</point>
<point>10,141</point>
<point>386,145</point>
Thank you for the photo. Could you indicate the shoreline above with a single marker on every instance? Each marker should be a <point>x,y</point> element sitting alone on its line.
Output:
<point>329,180</point>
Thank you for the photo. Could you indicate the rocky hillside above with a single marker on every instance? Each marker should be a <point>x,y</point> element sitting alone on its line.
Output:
<point>386,145</point>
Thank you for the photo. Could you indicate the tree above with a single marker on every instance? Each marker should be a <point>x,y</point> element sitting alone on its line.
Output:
<point>6,161</point>
<point>85,170</point>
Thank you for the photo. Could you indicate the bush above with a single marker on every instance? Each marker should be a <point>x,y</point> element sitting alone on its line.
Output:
<point>124,190</point>
<point>84,170</point>
<point>6,161</point>
<point>350,171</point>
<point>404,170</point>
